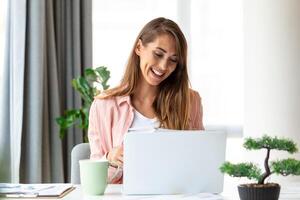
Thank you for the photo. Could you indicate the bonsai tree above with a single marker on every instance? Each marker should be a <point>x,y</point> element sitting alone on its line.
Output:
<point>89,85</point>
<point>285,167</point>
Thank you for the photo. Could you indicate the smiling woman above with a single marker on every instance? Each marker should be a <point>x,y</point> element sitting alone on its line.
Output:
<point>214,33</point>
<point>154,92</point>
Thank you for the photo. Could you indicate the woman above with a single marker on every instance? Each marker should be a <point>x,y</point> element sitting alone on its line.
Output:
<point>154,92</point>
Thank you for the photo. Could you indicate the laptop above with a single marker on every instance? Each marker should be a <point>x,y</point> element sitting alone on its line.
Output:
<point>173,162</point>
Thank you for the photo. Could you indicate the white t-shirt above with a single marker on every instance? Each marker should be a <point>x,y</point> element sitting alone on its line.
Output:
<point>140,122</point>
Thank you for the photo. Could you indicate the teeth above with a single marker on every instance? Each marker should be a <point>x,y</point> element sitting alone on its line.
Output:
<point>157,72</point>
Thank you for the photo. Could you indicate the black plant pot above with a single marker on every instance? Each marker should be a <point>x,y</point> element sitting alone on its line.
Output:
<point>269,191</point>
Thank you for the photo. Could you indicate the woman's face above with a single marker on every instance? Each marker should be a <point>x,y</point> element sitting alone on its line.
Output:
<point>158,59</point>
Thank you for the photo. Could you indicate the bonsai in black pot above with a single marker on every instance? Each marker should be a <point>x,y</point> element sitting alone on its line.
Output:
<point>262,190</point>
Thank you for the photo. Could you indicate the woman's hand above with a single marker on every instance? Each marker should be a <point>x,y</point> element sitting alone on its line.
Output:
<point>115,157</point>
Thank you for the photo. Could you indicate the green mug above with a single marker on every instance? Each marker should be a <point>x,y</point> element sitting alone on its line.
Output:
<point>93,176</point>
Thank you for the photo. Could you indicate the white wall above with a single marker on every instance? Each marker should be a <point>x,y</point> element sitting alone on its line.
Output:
<point>272,69</point>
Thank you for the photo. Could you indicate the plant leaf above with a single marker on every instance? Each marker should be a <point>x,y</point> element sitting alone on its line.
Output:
<point>103,75</point>
<point>271,143</point>
<point>248,170</point>
<point>90,74</point>
<point>67,120</point>
<point>286,167</point>
<point>83,87</point>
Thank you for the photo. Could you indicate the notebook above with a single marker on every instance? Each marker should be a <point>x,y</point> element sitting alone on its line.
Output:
<point>34,190</point>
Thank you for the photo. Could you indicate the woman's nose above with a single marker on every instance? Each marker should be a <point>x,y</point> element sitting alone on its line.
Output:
<point>163,64</point>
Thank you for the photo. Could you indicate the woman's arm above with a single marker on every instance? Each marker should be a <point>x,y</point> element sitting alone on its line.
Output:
<point>99,134</point>
<point>94,134</point>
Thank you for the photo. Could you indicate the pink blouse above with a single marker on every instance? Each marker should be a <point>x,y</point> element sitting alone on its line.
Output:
<point>110,119</point>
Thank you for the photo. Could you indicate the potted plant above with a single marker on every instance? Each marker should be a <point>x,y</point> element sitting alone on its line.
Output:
<point>89,85</point>
<point>262,190</point>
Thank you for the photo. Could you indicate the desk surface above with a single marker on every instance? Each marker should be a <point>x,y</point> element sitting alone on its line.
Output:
<point>114,192</point>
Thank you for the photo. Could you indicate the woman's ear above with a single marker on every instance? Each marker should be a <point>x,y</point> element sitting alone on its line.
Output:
<point>138,47</point>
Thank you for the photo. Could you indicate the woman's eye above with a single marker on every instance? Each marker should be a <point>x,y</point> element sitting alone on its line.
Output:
<point>173,60</point>
<point>158,55</point>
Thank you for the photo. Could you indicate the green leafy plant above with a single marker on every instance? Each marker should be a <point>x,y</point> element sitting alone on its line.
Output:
<point>283,167</point>
<point>89,85</point>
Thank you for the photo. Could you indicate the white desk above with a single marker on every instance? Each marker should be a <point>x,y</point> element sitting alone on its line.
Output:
<point>114,192</point>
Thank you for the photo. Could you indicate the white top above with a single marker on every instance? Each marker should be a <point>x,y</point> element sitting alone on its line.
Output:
<point>140,122</point>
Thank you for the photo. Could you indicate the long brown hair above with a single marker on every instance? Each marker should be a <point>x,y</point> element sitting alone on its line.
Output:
<point>172,104</point>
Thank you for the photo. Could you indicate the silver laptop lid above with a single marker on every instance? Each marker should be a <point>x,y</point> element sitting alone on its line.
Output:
<point>173,162</point>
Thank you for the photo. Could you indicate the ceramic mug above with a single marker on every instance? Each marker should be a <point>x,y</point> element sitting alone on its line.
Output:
<point>93,176</point>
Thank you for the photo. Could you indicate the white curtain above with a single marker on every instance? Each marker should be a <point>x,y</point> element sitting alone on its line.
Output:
<point>12,91</point>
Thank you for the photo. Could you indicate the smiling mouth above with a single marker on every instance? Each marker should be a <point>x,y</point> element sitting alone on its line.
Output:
<point>157,73</point>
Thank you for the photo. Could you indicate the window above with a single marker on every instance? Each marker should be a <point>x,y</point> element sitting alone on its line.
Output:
<point>214,32</point>
<point>217,59</point>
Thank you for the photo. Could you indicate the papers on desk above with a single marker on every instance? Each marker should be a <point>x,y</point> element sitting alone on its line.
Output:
<point>34,190</point>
